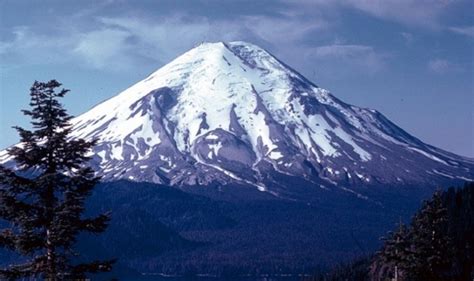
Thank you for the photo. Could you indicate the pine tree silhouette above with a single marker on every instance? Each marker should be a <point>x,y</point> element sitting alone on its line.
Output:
<point>396,253</point>
<point>420,252</point>
<point>431,244</point>
<point>43,200</point>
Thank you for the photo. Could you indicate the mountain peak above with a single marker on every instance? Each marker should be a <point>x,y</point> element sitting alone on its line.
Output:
<point>232,112</point>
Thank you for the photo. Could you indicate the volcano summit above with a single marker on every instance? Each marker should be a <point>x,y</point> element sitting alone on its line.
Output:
<point>233,113</point>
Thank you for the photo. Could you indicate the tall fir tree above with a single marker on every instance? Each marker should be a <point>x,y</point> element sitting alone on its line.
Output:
<point>460,205</point>
<point>421,252</point>
<point>43,199</point>
<point>432,248</point>
<point>394,259</point>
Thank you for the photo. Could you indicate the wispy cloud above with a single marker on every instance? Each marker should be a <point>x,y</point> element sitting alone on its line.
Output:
<point>284,30</point>
<point>442,66</point>
<point>122,43</point>
<point>425,13</point>
<point>103,48</point>
<point>408,37</point>
<point>411,12</point>
<point>40,48</point>
<point>113,44</point>
<point>360,56</point>
<point>163,39</point>
<point>465,30</point>
<point>343,51</point>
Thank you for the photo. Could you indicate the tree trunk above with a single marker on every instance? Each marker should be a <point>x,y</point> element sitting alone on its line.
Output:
<point>51,260</point>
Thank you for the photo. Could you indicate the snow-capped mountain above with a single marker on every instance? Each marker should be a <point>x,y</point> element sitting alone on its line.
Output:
<point>232,112</point>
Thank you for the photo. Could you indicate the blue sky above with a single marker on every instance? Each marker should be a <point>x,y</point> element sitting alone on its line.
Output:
<point>413,60</point>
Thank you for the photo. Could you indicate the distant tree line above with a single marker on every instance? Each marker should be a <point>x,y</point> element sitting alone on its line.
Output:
<point>438,245</point>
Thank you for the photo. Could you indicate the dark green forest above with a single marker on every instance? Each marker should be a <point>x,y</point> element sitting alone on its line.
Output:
<point>437,245</point>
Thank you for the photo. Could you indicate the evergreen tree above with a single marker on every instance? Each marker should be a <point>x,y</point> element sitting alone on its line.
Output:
<point>421,252</point>
<point>438,245</point>
<point>396,255</point>
<point>43,200</point>
<point>460,204</point>
<point>431,244</point>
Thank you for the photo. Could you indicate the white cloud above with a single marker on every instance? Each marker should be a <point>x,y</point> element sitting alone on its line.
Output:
<point>409,12</point>
<point>176,34</point>
<point>110,44</point>
<point>466,30</point>
<point>441,66</point>
<point>408,37</point>
<point>39,46</point>
<point>122,43</point>
<point>284,30</point>
<point>358,56</point>
<point>162,40</point>
<point>343,51</point>
<point>103,48</point>
<point>128,43</point>
<point>412,12</point>
<point>173,35</point>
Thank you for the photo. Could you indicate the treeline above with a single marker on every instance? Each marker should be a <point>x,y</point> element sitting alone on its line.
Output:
<point>438,245</point>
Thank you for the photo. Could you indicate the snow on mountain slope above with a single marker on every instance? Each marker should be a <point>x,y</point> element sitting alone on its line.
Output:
<point>232,112</point>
